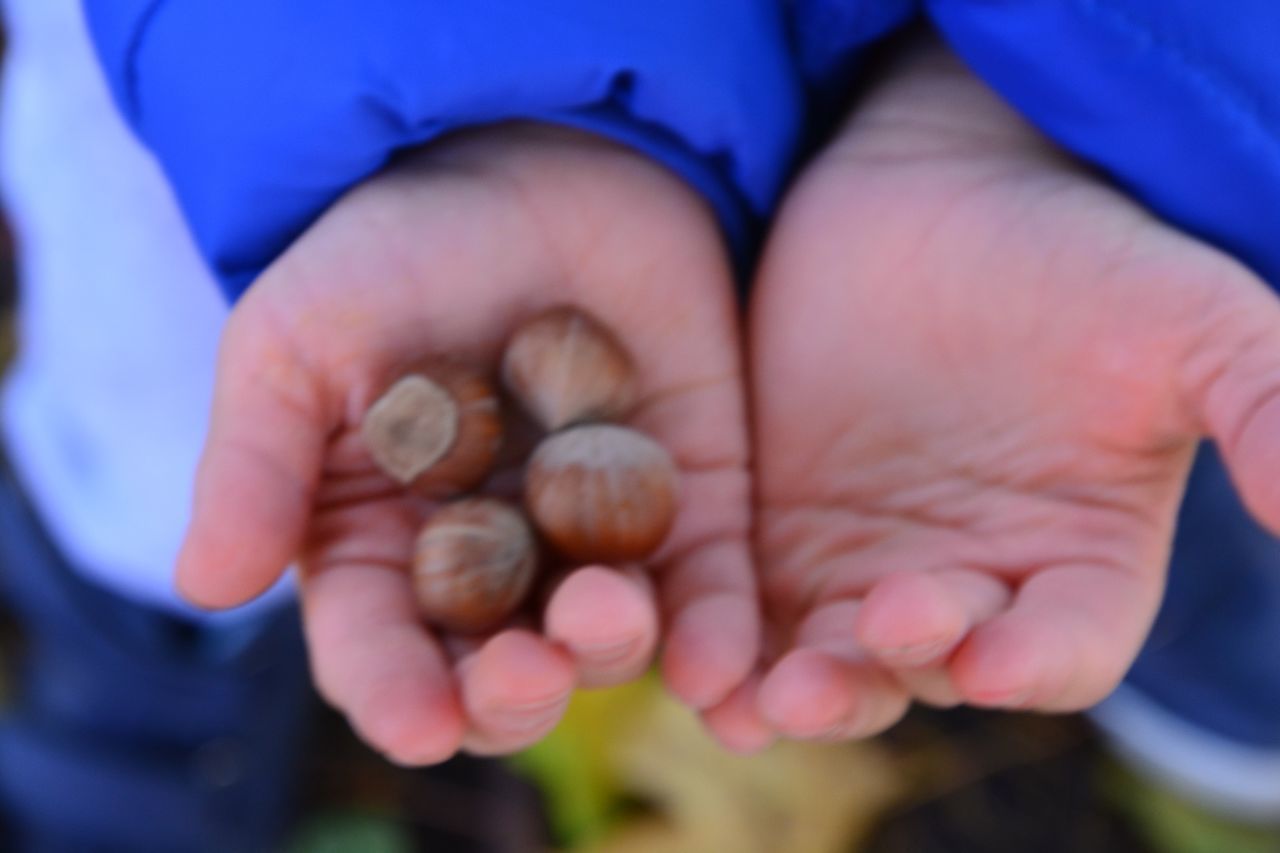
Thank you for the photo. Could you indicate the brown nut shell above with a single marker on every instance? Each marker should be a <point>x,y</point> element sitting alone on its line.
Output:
<point>566,367</point>
<point>436,429</point>
<point>473,565</point>
<point>602,493</point>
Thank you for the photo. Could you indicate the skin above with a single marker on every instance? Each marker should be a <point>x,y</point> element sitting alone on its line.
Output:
<point>967,462</point>
<point>970,459</point>
<point>396,270</point>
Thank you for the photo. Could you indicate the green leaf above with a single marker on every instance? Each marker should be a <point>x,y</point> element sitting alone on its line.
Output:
<point>351,832</point>
<point>573,766</point>
<point>1174,825</point>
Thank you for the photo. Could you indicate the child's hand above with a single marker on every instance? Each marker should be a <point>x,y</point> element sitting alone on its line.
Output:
<point>443,254</point>
<point>980,374</point>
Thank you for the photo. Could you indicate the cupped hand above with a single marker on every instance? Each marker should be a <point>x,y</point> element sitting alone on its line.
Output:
<point>443,254</point>
<point>980,373</point>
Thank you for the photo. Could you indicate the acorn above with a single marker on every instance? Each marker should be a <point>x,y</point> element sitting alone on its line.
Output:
<point>565,368</point>
<point>473,565</point>
<point>602,493</point>
<point>436,429</point>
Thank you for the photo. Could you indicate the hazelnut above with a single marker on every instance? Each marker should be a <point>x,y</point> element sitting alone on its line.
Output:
<point>473,564</point>
<point>602,493</point>
<point>436,429</point>
<point>565,367</point>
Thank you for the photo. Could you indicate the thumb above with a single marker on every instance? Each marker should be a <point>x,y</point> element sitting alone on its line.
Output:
<point>259,468</point>
<point>1234,374</point>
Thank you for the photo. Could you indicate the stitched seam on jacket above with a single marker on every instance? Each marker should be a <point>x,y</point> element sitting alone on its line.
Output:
<point>132,98</point>
<point>1234,104</point>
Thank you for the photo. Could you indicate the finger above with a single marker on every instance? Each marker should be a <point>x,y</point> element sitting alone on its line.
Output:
<point>1234,375</point>
<point>696,409</point>
<point>607,621</point>
<point>928,682</point>
<point>258,471</point>
<point>713,630</point>
<point>916,619</point>
<point>736,722</point>
<point>515,690</point>
<point>706,585</point>
<point>812,694</point>
<point>1063,645</point>
<point>827,688</point>
<point>372,659</point>
<point>930,685</point>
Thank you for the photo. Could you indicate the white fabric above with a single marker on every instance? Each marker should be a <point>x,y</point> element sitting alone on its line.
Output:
<point>105,410</point>
<point>1235,779</point>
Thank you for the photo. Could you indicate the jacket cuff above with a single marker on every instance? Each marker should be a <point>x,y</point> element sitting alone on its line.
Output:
<point>263,114</point>
<point>1177,102</point>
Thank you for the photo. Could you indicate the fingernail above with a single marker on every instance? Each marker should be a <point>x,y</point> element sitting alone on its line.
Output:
<point>842,728</point>
<point>518,719</point>
<point>1021,699</point>
<point>415,761</point>
<point>836,732</point>
<point>1012,700</point>
<point>607,654</point>
<point>916,653</point>
<point>751,744</point>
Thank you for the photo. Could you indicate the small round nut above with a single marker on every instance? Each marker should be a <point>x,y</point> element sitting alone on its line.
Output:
<point>436,429</point>
<point>473,564</point>
<point>565,367</point>
<point>602,493</point>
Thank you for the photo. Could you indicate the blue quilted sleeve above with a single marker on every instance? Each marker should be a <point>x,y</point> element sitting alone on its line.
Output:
<point>831,37</point>
<point>1178,100</point>
<point>262,112</point>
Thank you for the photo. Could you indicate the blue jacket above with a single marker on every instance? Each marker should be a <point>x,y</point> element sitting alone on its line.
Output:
<point>263,112</point>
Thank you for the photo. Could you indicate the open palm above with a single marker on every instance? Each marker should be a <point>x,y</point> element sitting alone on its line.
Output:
<point>980,375</point>
<point>444,253</point>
